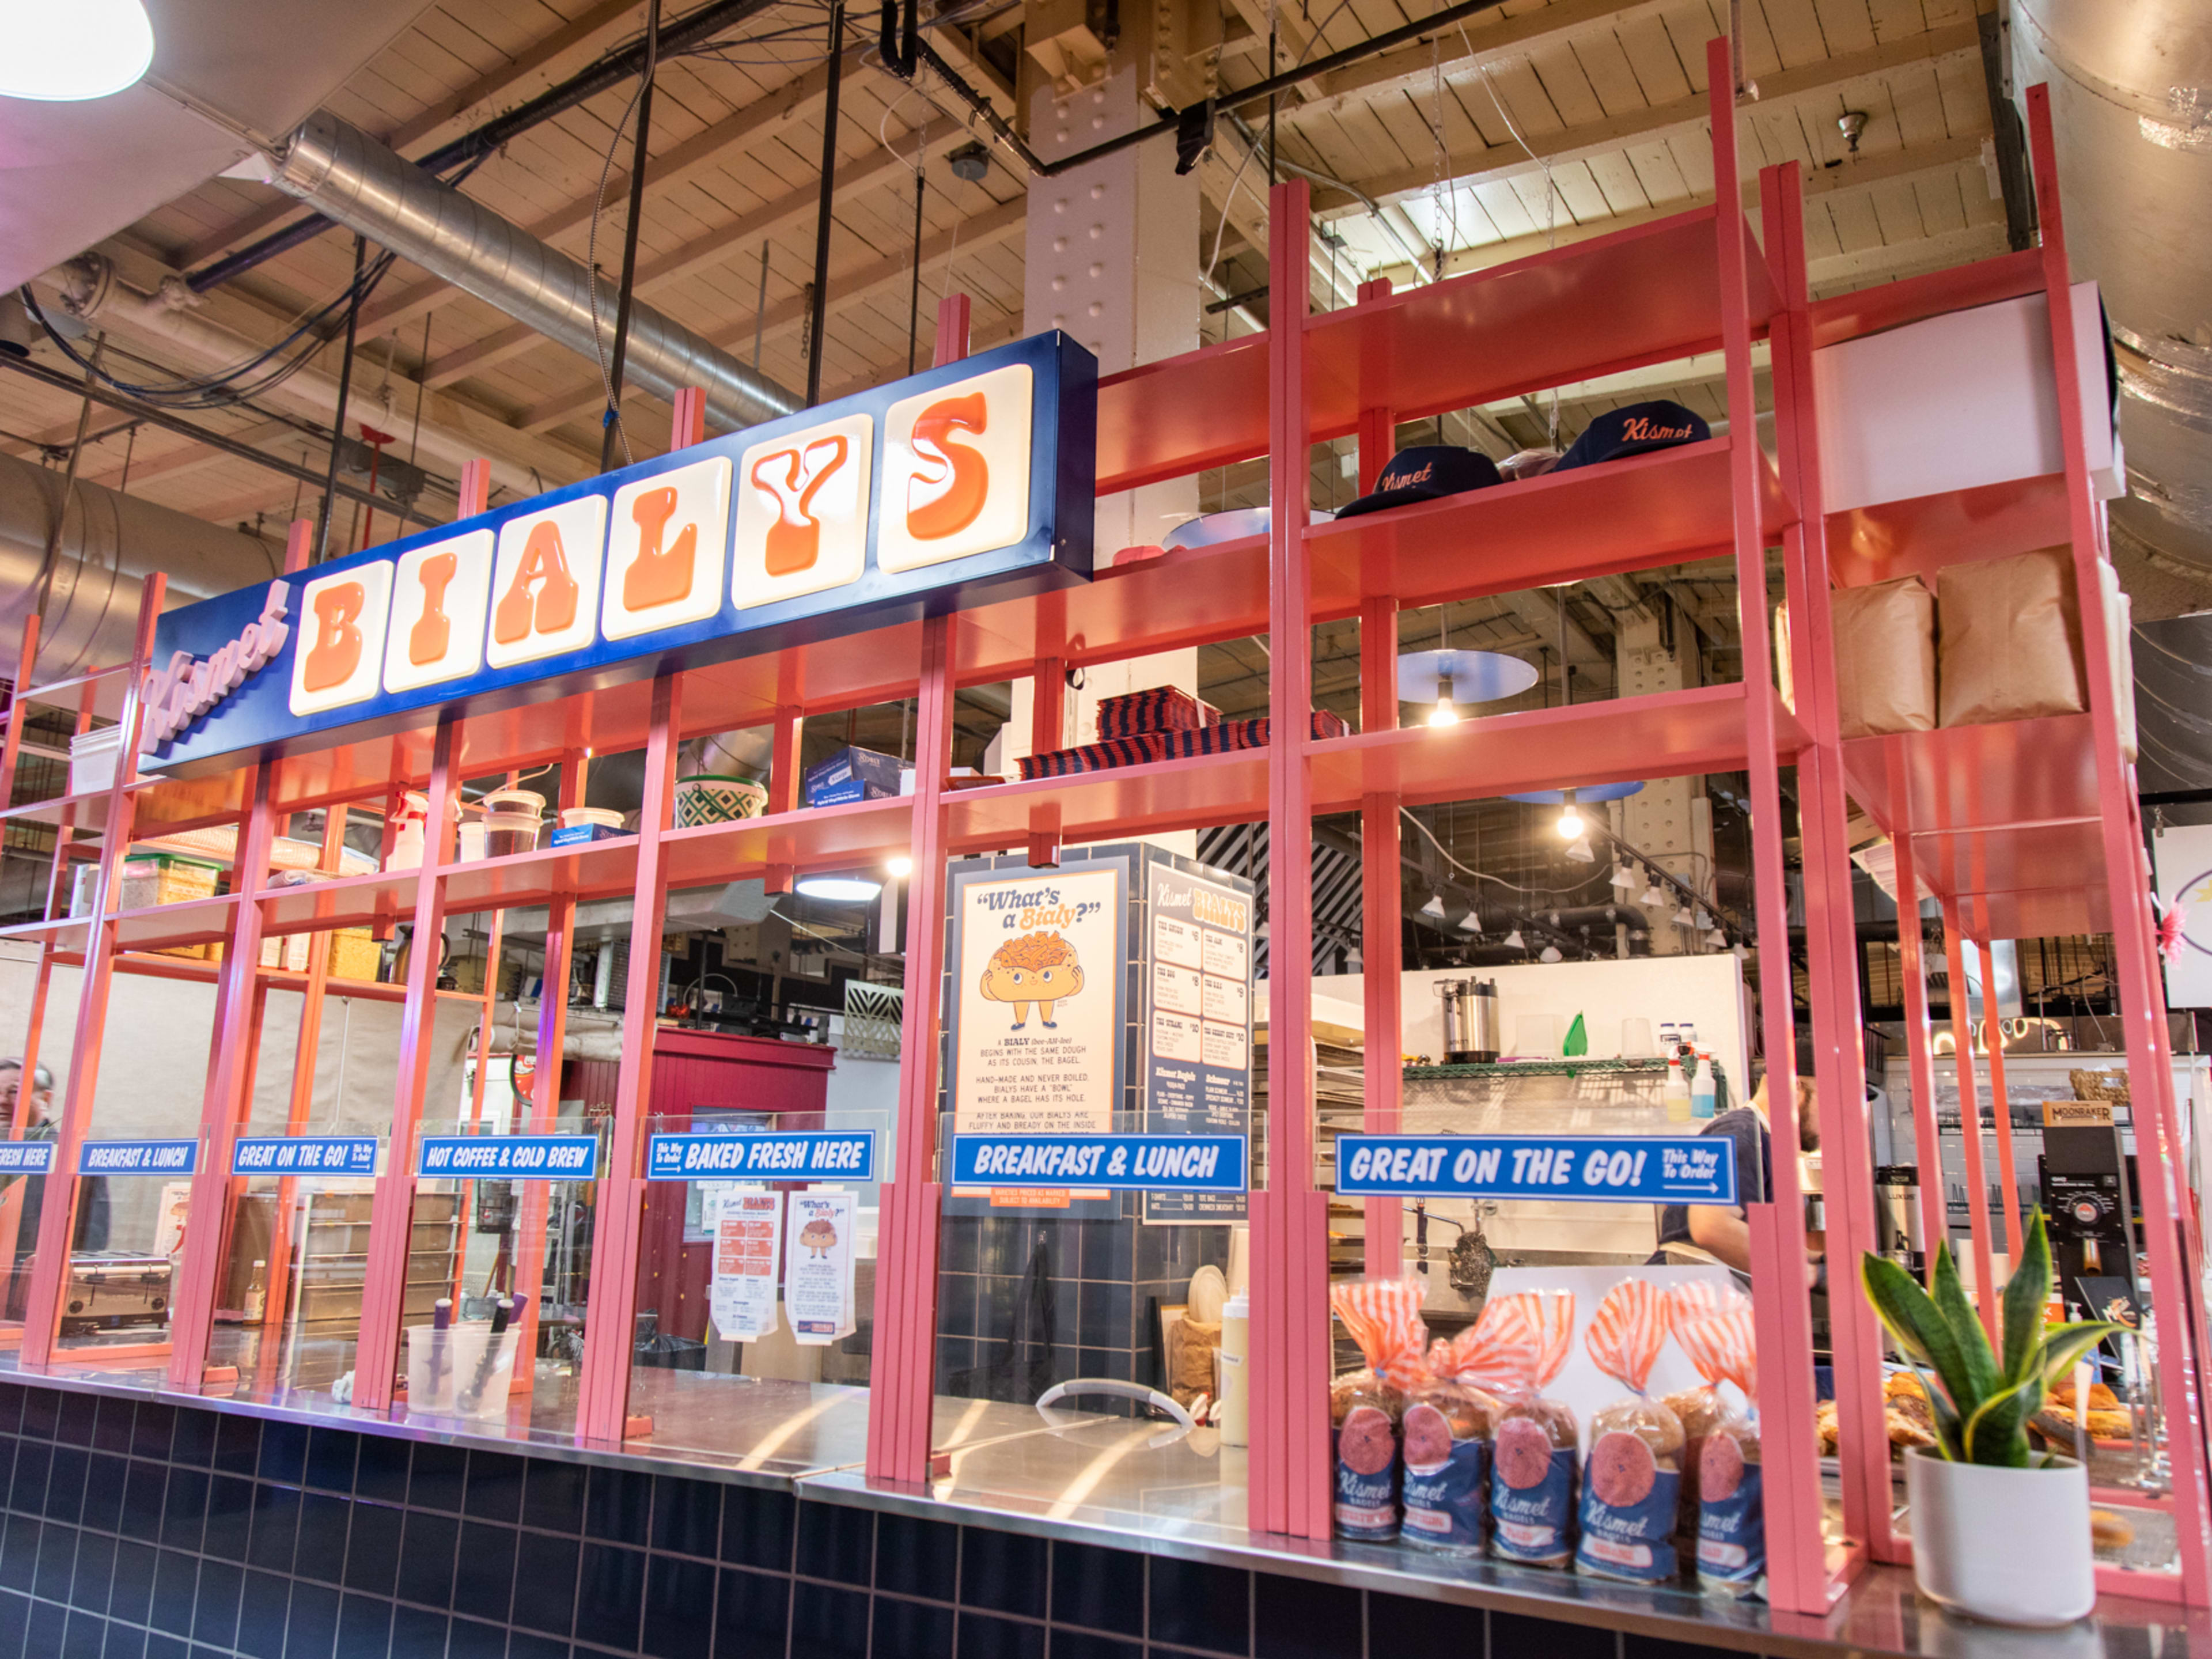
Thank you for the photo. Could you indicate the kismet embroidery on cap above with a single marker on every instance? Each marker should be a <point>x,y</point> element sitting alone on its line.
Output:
<point>1632,430</point>
<point>1425,474</point>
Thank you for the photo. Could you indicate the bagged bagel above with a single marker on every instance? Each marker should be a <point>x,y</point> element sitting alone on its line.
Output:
<point>1731,1504</point>
<point>1533,1465</point>
<point>1633,1483</point>
<point>1383,1316</point>
<point>1701,1409</point>
<point>1450,1421</point>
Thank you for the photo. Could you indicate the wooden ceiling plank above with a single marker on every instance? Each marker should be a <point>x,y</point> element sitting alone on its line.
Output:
<point>1651,58</point>
<point>1847,24</point>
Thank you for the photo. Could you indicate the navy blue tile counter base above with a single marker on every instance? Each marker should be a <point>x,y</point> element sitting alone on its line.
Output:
<point>143,1528</point>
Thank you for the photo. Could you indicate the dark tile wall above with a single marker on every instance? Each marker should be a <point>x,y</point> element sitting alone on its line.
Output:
<point>141,1530</point>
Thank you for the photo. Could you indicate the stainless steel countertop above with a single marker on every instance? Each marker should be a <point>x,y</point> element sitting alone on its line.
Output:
<point>1144,1487</point>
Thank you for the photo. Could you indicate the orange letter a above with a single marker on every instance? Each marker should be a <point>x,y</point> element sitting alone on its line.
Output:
<point>555,604</point>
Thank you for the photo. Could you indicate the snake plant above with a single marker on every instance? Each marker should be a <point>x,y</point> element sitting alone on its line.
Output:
<point>1985,1399</point>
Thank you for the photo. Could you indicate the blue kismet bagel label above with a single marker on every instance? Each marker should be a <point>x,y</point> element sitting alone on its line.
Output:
<point>1366,1475</point>
<point>1632,1540</point>
<point>1445,1501</point>
<point>1534,1523</point>
<point>1732,1532</point>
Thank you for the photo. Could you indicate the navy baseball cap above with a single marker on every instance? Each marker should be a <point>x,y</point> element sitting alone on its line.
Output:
<point>1633,429</point>
<point>1425,474</point>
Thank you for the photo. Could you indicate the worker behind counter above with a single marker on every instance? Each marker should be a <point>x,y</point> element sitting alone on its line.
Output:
<point>38,1124</point>
<point>1714,1232</point>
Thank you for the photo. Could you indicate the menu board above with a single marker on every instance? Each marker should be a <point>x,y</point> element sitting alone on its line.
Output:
<point>748,1227</point>
<point>1037,960</point>
<point>1197,1039</point>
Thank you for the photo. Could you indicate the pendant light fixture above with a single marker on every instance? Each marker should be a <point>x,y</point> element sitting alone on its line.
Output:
<point>74,51</point>
<point>1653,898</point>
<point>838,890</point>
<point>1470,925</point>
<point>1580,852</point>
<point>1515,942</point>
<point>1623,878</point>
<point>1549,953</point>
<point>1434,909</point>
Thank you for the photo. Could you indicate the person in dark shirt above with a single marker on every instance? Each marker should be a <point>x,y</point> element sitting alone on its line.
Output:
<point>36,1109</point>
<point>1722,1232</point>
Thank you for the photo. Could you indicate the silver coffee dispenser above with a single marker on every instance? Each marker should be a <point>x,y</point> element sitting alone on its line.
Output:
<point>1470,1021</point>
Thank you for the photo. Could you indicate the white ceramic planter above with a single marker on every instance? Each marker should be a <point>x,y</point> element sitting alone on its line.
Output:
<point>2008,1546</point>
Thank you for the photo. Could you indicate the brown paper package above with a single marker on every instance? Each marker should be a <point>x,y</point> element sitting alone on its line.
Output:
<point>2011,632</point>
<point>1885,658</point>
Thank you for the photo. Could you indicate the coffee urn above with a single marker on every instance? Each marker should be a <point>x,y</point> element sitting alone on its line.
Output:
<point>1470,1021</point>
<point>1898,1231</point>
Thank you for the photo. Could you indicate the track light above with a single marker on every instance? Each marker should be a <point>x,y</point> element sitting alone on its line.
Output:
<point>1623,878</point>
<point>1470,925</point>
<point>1717,939</point>
<point>1742,952</point>
<point>1515,942</point>
<point>1549,953</point>
<point>1653,898</point>
<point>1434,909</point>
<point>1579,851</point>
<point>1685,917</point>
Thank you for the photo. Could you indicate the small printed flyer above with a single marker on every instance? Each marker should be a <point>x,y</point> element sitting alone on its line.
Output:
<point>742,1298</point>
<point>817,1274</point>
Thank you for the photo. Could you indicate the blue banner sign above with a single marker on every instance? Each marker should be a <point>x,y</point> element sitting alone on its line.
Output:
<point>1588,1169</point>
<point>1141,1164</point>
<point>138,1157</point>
<point>969,480</point>
<point>810,1156</point>
<point>509,1158</point>
<point>25,1156</point>
<point>318,1155</point>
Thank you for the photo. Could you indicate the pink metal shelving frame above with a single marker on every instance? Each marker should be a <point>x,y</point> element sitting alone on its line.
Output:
<point>1694,281</point>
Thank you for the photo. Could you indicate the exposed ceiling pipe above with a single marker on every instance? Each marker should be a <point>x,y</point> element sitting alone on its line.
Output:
<point>349,176</point>
<point>109,544</point>
<point>2133,137</point>
<point>90,289</point>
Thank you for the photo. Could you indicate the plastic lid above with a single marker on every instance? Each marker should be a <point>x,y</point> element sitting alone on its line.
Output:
<point>1238,1306</point>
<point>513,800</point>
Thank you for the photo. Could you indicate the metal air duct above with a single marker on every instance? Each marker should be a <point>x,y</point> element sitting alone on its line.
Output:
<point>347,176</point>
<point>2131,112</point>
<point>110,543</point>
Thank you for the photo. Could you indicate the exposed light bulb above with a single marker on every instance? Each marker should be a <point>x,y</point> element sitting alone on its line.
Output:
<point>1444,714</point>
<point>1570,822</point>
<point>1549,953</point>
<point>1434,909</point>
<point>900,867</point>
<point>67,53</point>
<point>1580,851</point>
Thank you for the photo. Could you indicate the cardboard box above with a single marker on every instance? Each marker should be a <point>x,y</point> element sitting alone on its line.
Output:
<point>852,775</point>
<point>583,834</point>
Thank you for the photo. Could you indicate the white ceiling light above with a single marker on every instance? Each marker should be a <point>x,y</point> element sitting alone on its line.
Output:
<point>1652,897</point>
<point>1683,918</point>
<point>1580,851</point>
<point>1717,939</point>
<point>1470,925</point>
<point>1549,953</point>
<point>847,890</point>
<point>69,52</point>
<point>1434,909</point>
<point>1623,878</point>
<point>1515,942</point>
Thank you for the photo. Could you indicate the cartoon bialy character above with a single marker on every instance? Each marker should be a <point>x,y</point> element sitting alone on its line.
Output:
<point>1036,968</point>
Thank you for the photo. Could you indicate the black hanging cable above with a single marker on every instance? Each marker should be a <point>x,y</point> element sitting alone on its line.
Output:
<point>338,418</point>
<point>611,423</point>
<point>818,311</point>
<point>914,294</point>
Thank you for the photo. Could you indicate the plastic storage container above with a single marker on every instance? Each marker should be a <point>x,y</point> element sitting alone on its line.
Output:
<point>92,760</point>
<point>582,825</point>
<point>511,818</point>
<point>712,797</point>
<point>472,832</point>
<point>483,1368</point>
<point>430,1369</point>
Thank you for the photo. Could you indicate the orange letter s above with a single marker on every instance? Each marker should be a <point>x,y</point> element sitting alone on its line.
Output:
<point>957,466</point>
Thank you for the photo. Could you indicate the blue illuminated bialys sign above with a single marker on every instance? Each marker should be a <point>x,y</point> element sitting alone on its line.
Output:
<point>973,480</point>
